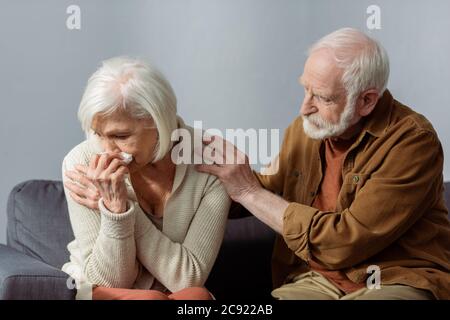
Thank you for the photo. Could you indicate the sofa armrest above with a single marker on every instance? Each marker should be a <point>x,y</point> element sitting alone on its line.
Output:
<point>25,278</point>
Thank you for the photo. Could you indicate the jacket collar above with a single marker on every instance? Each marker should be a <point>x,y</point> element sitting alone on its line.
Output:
<point>374,124</point>
<point>378,120</point>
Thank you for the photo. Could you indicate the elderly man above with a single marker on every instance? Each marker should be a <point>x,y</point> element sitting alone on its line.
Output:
<point>357,186</point>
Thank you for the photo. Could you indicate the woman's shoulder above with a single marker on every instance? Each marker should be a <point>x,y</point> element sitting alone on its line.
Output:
<point>192,177</point>
<point>198,185</point>
<point>200,178</point>
<point>80,154</point>
<point>199,190</point>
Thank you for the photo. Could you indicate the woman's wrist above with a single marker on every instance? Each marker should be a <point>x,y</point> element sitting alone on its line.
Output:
<point>117,208</point>
<point>115,225</point>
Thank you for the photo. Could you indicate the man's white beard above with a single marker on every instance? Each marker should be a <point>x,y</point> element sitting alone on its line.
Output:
<point>317,128</point>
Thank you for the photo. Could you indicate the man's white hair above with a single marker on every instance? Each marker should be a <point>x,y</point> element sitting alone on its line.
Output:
<point>135,87</point>
<point>364,61</point>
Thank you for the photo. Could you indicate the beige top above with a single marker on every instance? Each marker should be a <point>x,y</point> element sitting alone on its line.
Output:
<point>128,251</point>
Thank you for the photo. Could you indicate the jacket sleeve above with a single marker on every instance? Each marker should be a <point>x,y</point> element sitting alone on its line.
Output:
<point>393,198</point>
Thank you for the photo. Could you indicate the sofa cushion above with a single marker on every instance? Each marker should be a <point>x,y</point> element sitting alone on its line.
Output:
<point>22,277</point>
<point>38,221</point>
<point>242,269</point>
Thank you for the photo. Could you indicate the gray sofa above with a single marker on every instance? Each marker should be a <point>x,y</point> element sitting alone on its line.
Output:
<point>39,230</point>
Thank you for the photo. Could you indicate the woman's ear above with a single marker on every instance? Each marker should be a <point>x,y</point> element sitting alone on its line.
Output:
<point>367,102</point>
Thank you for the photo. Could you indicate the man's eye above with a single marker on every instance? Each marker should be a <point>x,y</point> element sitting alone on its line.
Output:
<point>325,99</point>
<point>120,137</point>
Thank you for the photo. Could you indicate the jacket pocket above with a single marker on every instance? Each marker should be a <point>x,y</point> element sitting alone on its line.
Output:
<point>353,182</point>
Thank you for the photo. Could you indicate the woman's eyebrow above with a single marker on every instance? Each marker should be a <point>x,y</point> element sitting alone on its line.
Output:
<point>113,132</point>
<point>117,131</point>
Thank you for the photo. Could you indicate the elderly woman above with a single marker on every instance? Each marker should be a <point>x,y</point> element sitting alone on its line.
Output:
<point>148,229</point>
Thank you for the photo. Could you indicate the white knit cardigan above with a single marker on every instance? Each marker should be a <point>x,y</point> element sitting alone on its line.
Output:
<point>128,251</point>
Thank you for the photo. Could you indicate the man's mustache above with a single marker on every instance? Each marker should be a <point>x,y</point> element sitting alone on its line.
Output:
<point>316,120</point>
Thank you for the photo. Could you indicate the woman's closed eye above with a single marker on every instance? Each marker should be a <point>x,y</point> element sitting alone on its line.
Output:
<point>120,137</point>
<point>114,136</point>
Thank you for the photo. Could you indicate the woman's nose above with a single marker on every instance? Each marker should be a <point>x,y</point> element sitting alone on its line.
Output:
<point>110,146</point>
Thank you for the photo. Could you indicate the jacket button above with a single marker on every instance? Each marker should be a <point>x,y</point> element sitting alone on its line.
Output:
<point>296,174</point>
<point>312,194</point>
<point>355,179</point>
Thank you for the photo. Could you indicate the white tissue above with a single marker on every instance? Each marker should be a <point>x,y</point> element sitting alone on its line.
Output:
<point>126,157</point>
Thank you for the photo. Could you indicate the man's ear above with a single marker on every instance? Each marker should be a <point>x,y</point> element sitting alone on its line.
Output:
<point>367,102</point>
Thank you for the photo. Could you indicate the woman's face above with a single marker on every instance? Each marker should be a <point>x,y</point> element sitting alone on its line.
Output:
<point>119,132</point>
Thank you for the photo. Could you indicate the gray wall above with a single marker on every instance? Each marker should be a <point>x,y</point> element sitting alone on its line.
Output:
<point>232,64</point>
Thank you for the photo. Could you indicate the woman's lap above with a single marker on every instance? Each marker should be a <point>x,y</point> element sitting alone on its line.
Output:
<point>193,293</point>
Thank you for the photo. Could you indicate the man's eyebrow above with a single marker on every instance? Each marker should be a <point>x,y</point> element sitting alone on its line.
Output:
<point>316,91</point>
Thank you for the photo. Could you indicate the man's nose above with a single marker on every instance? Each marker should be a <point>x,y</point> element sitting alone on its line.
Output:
<point>308,107</point>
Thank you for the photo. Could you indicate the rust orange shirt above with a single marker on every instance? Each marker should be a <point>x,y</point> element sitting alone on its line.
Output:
<point>326,200</point>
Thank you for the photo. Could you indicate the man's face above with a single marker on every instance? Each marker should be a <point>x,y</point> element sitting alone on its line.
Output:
<point>325,109</point>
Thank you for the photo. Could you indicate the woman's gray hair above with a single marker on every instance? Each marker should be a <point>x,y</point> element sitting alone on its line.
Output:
<point>364,61</point>
<point>135,87</point>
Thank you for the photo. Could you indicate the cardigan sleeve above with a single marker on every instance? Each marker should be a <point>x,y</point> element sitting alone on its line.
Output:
<point>181,265</point>
<point>105,240</point>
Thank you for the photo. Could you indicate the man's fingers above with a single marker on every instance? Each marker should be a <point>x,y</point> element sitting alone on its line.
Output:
<point>71,175</point>
<point>224,152</point>
<point>84,202</point>
<point>207,168</point>
<point>211,156</point>
<point>82,192</point>
<point>79,178</point>
<point>81,168</point>
<point>215,142</point>
<point>208,139</point>
<point>75,188</point>
<point>219,151</point>
<point>216,150</point>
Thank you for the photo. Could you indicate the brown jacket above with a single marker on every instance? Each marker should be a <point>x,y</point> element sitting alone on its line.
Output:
<point>390,210</point>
